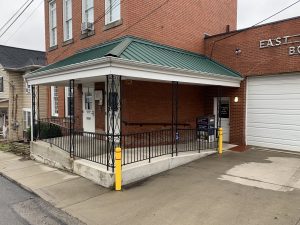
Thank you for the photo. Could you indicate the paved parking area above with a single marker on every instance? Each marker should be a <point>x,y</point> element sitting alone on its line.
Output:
<point>253,187</point>
<point>256,187</point>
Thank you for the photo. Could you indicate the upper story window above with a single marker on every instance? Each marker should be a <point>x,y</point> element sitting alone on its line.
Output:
<point>54,101</point>
<point>67,9</point>
<point>1,85</point>
<point>52,23</point>
<point>112,10</point>
<point>88,11</point>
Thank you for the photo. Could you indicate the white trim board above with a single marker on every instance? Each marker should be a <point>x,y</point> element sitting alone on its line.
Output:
<point>127,68</point>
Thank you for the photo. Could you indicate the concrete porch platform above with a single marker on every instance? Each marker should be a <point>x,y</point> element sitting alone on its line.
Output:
<point>51,155</point>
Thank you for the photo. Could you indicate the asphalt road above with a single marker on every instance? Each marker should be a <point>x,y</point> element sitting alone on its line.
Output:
<point>19,207</point>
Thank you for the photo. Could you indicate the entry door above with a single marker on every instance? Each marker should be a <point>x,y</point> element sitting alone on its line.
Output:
<point>224,115</point>
<point>88,111</point>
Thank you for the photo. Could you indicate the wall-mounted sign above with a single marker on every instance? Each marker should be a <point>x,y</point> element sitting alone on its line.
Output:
<point>285,40</point>
<point>224,110</point>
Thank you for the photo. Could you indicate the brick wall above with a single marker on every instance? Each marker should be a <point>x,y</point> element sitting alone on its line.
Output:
<point>178,23</point>
<point>253,60</point>
<point>151,102</point>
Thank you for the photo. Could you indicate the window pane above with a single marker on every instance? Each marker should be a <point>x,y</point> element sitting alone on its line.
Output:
<point>54,99</point>
<point>89,4</point>
<point>28,119</point>
<point>90,15</point>
<point>52,23</point>
<point>113,9</point>
<point>68,9</point>
<point>24,120</point>
<point>1,84</point>
<point>116,10</point>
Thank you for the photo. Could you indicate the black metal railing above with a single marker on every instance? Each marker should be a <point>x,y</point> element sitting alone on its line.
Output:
<point>136,147</point>
<point>148,145</point>
<point>145,146</point>
<point>92,147</point>
<point>53,134</point>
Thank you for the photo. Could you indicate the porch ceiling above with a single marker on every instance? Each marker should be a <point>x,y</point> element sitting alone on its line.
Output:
<point>136,59</point>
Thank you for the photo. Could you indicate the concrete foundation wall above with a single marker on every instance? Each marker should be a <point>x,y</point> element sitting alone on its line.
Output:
<point>52,156</point>
<point>94,172</point>
<point>99,174</point>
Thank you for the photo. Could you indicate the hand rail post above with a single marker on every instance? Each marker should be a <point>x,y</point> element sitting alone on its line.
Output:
<point>149,139</point>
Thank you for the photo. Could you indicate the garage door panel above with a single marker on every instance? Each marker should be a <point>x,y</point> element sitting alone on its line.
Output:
<point>273,90</point>
<point>277,80</point>
<point>277,112</point>
<point>274,104</point>
<point>274,141</point>
<point>274,119</point>
<point>275,133</point>
<point>286,96</point>
<point>270,144</point>
<point>273,111</point>
<point>272,126</point>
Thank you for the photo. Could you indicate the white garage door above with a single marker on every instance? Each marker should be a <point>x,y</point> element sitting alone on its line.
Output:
<point>273,112</point>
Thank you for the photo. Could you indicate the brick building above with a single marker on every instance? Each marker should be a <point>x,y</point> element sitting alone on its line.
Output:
<point>119,68</point>
<point>268,57</point>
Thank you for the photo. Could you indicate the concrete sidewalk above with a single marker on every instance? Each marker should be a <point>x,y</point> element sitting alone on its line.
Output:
<point>249,188</point>
<point>62,189</point>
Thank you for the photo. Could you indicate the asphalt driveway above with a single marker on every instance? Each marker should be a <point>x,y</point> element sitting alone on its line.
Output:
<point>252,187</point>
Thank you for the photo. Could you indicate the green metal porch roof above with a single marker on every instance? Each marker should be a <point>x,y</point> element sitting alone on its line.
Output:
<point>139,50</point>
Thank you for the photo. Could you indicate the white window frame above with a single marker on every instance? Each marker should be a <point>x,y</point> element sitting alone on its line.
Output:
<point>68,26</point>
<point>27,88</point>
<point>1,91</point>
<point>52,25</point>
<point>54,101</point>
<point>67,96</point>
<point>111,7</point>
<point>85,11</point>
<point>26,123</point>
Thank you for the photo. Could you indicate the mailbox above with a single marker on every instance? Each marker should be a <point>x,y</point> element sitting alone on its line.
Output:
<point>206,128</point>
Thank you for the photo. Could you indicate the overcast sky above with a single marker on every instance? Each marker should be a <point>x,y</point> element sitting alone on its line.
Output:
<point>28,31</point>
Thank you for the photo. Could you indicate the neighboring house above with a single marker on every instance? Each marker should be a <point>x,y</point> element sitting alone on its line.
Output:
<point>15,95</point>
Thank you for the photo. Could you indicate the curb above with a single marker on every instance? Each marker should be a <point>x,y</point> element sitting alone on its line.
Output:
<point>19,184</point>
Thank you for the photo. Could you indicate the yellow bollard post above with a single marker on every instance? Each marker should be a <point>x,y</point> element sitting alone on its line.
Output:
<point>220,144</point>
<point>118,170</point>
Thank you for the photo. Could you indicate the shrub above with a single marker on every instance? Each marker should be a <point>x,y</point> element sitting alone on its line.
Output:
<point>47,130</point>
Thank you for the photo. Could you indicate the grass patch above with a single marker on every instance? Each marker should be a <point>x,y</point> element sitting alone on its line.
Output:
<point>18,148</point>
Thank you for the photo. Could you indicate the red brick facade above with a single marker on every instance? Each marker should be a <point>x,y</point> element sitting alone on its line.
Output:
<point>177,23</point>
<point>254,60</point>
